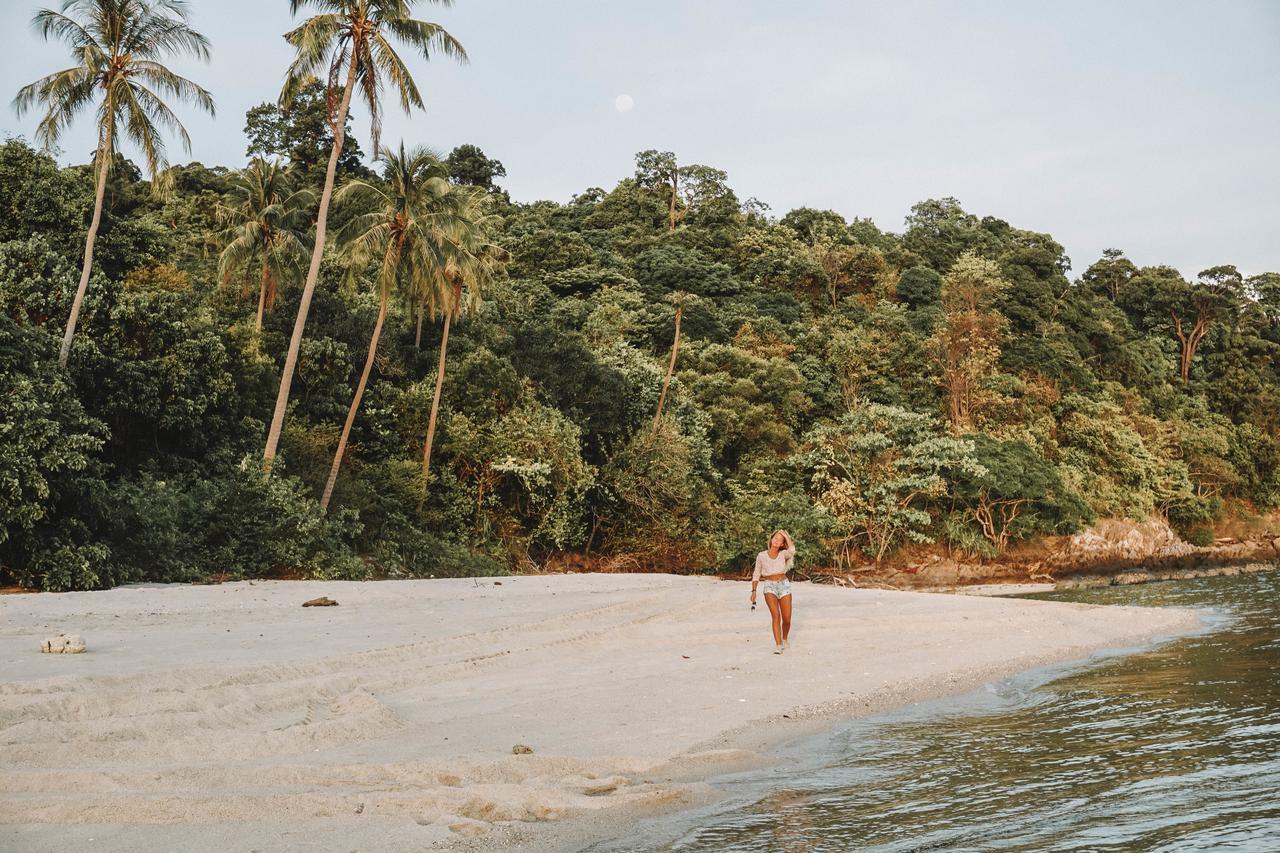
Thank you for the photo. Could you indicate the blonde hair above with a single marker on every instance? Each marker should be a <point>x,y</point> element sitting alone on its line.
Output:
<point>790,560</point>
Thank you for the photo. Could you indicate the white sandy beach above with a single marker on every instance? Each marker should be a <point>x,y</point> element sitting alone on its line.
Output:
<point>231,718</point>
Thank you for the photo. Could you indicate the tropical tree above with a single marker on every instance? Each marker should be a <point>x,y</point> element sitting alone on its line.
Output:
<point>873,470</point>
<point>1194,308</point>
<point>351,42</point>
<point>695,185</point>
<point>679,300</point>
<point>406,231</point>
<point>1015,493</point>
<point>659,170</point>
<point>470,261</point>
<point>301,134</point>
<point>966,345</point>
<point>265,222</point>
<point>117,47</point>
<point>469,165</point>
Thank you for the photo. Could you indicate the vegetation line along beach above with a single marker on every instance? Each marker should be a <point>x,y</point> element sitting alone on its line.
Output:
<point>442,380</point>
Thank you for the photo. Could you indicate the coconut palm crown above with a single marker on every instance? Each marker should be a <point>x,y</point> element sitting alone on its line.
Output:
<point>354,35</point>
<point>117,47</point>
<point>265,223</point>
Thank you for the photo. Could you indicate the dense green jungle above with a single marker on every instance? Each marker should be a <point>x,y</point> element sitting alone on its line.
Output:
<point>649,376</point>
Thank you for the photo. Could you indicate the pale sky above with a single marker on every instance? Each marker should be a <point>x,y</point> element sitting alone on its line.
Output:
<point>1153,127</point>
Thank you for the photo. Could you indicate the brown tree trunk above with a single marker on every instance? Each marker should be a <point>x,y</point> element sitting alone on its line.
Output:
<point>104,155</point>
<point>355,405</point>
<point>435,400</point>
<point>675,178</point>
<point>313,273</point>
<point>1184,367</point>
<point>1189,343</point>
<point>1197,334</point>
<point>417,335</point>
<point>666,380</point>
<point>262,293</point>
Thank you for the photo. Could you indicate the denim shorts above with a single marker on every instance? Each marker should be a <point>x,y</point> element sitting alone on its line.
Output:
<point>780,588</point>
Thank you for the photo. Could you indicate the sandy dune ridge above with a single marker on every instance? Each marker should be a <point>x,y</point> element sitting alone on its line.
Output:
<point>229,717</point>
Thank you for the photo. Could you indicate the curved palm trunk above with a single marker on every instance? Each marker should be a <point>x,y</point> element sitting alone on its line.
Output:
<point>262,295</point>
<point>355,405</point>
<point>313,273</point>
<point>435,401</point>
<point>417,335</point>
<point>666,380</point>
<point>104,154</point>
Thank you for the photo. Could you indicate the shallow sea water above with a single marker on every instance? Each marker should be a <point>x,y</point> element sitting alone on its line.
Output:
<point>1171,748</point>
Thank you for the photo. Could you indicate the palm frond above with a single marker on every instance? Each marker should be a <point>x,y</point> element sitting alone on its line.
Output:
<point>159,113</point>
<point>386,60</point>
<point>51,24</point>
<point>427,38</point>
<point>138,124</point>
<point>313,42</point>
<point>175,85</point>
<point>156,35</point>
<point>335,5</point>
<point>63,93</point>
<point>370,83</point>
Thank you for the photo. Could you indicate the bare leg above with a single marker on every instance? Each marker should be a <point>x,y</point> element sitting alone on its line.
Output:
<point>784,606</point>
<point>775,612</point>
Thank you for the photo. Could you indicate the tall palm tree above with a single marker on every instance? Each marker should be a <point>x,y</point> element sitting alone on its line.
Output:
<point>117,47</point>
<point>406,232</point>
<point>470,262</point>
<point>265,224</point>
<point>349,41</point>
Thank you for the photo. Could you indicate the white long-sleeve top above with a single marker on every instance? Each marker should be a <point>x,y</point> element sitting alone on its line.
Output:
<point>779,565</point>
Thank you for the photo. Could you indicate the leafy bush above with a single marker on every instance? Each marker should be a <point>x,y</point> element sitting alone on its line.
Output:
<point>49,468</point>
<point>420,554</point>
<point>1199,536</point>
<point>1017,495</point>
<point>873,471</point>
<point>770,495</point>
<point>240,524</point>
<point>961,535</point>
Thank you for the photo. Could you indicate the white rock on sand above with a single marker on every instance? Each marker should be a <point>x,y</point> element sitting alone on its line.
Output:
<point>63,644</point>
<point>228,717</point>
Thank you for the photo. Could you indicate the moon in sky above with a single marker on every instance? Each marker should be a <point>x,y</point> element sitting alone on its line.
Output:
<point>624,103</point>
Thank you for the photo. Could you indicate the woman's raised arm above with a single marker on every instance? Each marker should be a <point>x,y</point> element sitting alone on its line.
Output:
<point>790,550</point>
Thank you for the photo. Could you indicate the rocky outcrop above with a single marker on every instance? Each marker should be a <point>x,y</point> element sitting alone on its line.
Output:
<point>1113,551</point>
<point>1125,578</point>
<point>1118,542</point>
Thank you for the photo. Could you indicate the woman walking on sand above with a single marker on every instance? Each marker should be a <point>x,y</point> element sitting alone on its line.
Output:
<point>772,566</point>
